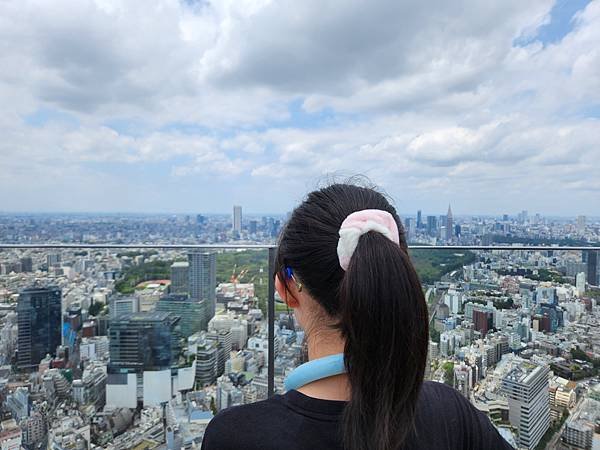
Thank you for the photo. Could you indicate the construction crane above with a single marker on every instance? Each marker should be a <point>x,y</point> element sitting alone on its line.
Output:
<point>237,278</point>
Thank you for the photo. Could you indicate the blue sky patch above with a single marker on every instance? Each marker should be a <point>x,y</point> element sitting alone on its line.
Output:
<point>561,23</point>
<point>43,116</point>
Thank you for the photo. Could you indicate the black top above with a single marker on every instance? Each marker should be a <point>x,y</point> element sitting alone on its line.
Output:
<point>294,421</point>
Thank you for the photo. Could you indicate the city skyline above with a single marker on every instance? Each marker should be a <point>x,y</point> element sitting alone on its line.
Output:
<point>254,214</point>
<point>254,102</point>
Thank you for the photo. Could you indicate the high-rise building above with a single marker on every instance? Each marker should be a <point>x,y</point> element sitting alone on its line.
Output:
<point>146,364</point>
<point>575,267</point>
<point>26,264</point>
<point>192,313</point>
<point>580,283</point>
<point>180,277</point>
<point>409,228</point>
<point>237,218</point>
<point>590,257</point>
<point>207,357</point>
<point>253,227</point>
<point>581,220</point>
<point>53,259</point>
<point>223,341</point>
<point>432,225</point>
<point>449,225</point>
<point>419,219</point>
<point>144,341</point>
<point>39,317</point>
<point>203,279</point>
<point>523,216</point>
<point>526,388</point>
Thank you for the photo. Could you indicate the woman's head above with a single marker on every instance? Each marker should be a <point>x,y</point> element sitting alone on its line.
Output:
<point>377,305</point>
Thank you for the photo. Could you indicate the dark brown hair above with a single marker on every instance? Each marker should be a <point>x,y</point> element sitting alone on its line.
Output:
<point>377,304</point>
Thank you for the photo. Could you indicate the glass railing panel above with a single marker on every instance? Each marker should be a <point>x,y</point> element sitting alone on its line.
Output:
<point>148,343</point>
<point>137,343</point>
<point>512,328</point>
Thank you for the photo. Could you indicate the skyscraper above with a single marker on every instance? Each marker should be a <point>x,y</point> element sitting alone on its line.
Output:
<point>449,225</point>
<point>419,220</point>
<point>180,277</point>
<point>581,221</point>
<point>203,279</point>
<point>590,257</point>
<point>526,388</point>
<point>237,218</point>
<point>432,225</point>
<point>409,228</point>
<point>39,316</point>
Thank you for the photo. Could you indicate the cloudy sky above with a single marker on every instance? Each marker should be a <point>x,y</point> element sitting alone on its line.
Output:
<point>192,106</point>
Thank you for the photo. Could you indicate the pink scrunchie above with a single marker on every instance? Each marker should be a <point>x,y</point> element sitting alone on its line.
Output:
<point>359,223</point>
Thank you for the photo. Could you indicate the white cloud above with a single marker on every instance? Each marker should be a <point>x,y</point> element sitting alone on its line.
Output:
<point>430,99</point>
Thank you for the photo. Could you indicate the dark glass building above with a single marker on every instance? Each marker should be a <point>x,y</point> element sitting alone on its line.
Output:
<point>27,264</point>
<point>192,313</point>
<point>39,316</point>
<point>144,341</point>
<point>590,257</point>
<point>432,225</point>
<point>203,279</point>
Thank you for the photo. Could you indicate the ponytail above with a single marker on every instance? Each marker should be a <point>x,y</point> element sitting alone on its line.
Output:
<point>377,304</point>
<point>384,322</point>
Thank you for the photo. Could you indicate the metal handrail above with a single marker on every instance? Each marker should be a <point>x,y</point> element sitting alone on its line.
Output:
<point>269,246</point>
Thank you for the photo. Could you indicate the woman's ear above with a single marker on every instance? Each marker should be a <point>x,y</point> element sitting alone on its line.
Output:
<point>284,293</point>
<point>280,288</point>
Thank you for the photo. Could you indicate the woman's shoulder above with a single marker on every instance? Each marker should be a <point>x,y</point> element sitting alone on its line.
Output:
<point>455,418</point>
<point>251,412</point>
<point>441,401</point>
<point>234,426</point>
<point>432,391</point>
